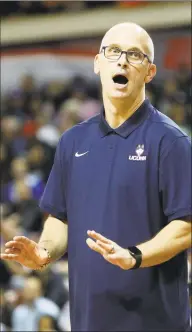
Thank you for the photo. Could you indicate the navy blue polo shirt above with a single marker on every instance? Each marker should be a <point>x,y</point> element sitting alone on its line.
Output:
<point>126,184</point>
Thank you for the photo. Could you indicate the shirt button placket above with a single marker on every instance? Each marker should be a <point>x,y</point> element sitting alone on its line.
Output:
<point>111,149</point>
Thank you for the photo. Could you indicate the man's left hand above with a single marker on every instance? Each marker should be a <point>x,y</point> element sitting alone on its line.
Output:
<point>110,250</point>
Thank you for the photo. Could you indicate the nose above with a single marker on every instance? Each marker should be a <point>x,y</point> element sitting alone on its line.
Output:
<point>122,62</point>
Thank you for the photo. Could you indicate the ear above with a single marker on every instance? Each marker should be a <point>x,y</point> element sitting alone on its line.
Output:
<point>96,64</point>
<point>151,73</point>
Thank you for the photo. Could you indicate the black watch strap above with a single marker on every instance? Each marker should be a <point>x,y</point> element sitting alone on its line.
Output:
<point>137,254</point>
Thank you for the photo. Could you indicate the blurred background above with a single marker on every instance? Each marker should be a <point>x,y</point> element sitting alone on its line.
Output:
<point>47,86</point>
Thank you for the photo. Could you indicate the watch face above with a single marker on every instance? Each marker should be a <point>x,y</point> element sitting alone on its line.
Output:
<point>134,250</point>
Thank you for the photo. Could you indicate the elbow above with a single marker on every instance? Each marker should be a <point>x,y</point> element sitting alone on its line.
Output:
<point>185,242</point>
<point>183,234</point>
<point>188,241</point>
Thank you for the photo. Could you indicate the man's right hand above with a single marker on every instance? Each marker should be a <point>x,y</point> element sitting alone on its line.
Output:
<point>26,252</point>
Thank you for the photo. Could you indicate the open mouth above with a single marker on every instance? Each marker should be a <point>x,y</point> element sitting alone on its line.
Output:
<point>120,79</point>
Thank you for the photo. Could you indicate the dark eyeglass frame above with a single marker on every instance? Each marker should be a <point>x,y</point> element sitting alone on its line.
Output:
<point>126,52</point>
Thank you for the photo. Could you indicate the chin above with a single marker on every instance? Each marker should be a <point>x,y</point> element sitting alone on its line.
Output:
<point>120,95</point>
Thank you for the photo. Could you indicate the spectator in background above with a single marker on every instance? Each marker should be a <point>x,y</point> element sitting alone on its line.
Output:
<point>177,113</point>
<point>29,216</point>
<point>184,84</point>
<point>34,104</point>
<point>22,176</point>
<point>10,226</point>
<point>80,105</point>
<point>39,158</point>
<point>14,106</point>
<point>56,92</point>
<point>15,8</point>
<point>47,132</point>
<point>169,95</point>
<point>28,90</point>
<point>47,323</point>
<point>5,317</point>
<point>11,129</point>
<point>26,316</point>
<point>25,7</point>
<point>54,286</point>
<point>183,78</point>
<point>6,157</point>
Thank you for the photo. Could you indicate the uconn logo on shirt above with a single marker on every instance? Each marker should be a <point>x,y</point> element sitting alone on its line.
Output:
<point>139,151</point>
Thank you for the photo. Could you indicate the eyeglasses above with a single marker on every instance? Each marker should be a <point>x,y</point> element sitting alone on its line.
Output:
<point>114,53</point>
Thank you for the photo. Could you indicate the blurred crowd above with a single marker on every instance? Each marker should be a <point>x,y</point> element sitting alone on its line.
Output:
<point>173,97</point>
<point>15,8</point>
<point>33,117</point>
<point>32,120</point>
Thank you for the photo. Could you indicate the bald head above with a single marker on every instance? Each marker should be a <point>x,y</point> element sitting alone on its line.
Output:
<point>131,31</point>
<point>138,70</point>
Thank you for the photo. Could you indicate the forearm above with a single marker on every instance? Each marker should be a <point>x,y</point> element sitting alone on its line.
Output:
<point>54,237</point>
<point>170,241</point>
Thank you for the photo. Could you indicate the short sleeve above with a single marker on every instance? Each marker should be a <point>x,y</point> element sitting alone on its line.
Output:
<point>53,200</point>
<point>175,179</point>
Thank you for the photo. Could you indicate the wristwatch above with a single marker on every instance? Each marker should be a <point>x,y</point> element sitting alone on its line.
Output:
<point>137,254</point>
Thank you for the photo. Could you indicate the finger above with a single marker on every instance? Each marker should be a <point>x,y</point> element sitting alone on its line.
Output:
<point>12,251</point>
<point>29,246</point>
<point>26,245</point>
<point>14,244</point>
<point>98,236</point>
<point>10,244</point>
<point>10,257</point>
<point>94,246</point>
<point>107,247</point>
<point>25,241</point>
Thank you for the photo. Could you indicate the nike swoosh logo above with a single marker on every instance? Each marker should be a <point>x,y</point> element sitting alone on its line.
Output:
<point>80,154</point>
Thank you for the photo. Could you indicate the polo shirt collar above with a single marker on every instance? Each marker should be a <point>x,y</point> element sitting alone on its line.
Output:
<point>129,125</point>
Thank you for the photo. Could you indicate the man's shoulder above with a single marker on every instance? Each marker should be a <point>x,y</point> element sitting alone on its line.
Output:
<point>165,126</point>
<point>166,133</point>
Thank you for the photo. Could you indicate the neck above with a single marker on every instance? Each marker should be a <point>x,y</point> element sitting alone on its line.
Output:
<point>117,112</point>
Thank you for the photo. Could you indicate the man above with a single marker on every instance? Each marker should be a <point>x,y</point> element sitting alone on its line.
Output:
<point>123,178</point>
